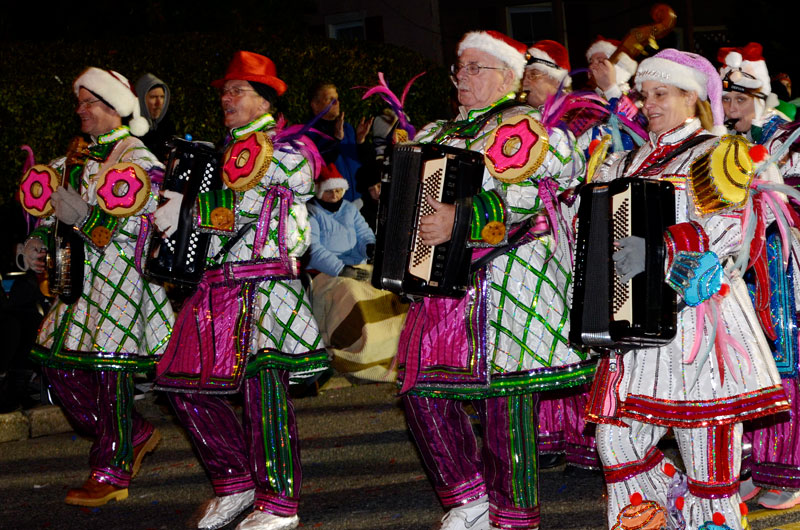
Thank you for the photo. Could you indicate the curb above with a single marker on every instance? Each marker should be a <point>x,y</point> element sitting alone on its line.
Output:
<point>38,421</point>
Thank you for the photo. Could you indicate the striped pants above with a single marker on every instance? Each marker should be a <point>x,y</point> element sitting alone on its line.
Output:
<point>260,452</point>
<point>506,467</point>
<point>100,405</point>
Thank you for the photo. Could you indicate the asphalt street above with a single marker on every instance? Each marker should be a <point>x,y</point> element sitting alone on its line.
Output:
<point>361,472</point>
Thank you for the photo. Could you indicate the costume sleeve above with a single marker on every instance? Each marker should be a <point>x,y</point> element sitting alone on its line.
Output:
<point>322,259</point>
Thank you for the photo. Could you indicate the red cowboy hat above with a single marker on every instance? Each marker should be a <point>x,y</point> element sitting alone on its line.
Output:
<point>249,66</point>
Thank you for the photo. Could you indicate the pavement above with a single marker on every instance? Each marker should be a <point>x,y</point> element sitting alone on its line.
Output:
<point>361,471</point>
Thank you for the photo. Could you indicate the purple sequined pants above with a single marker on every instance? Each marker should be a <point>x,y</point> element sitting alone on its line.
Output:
<point>563,427</point>
<point>260,452</point>
<point>775,457</point>
<point>506,467</point>
<point>100,405</point>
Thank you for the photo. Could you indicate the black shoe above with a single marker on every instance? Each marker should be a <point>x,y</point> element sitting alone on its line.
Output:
<point>548,461</point>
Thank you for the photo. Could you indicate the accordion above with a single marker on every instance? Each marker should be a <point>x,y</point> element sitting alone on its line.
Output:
<point>193,168</point>
<point>403,264</point>
<point>606,313</point>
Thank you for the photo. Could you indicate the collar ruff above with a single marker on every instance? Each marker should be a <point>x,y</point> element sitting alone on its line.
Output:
<point>676,135</point>
<point>114,135</point>
<point>265,121</point>
<point>464,114</point>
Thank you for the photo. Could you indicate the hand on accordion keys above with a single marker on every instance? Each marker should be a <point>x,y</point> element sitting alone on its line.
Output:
<point>629,260</point>
<point>167,215</point>
<point>437,228</point>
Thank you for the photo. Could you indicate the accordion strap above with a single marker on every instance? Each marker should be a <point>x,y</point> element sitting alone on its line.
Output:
<point>663,161</point>
<point>514,240</point>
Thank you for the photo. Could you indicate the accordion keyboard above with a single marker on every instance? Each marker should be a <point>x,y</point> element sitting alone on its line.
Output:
<point>622,302</point>
<point>422,255</point>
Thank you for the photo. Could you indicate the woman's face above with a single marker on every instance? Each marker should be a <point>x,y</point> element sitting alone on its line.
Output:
<point>739,107</point>
<point>666,106</point>
<point>334,195</point>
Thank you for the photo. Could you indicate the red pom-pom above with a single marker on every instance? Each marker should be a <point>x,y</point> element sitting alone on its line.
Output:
<point>679,503</point>
<point>724,290</point>
<point>636,498</point>
<point>744,509</point>
<point>669,469</point>
<point>758,153</point>
<point>593,145</point>
<point>718,519</point>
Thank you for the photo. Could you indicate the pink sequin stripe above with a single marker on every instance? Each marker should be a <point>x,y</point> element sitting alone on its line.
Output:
<point>234,272</point>
<point>141,241</point>
<point>514,518</point>
<point>271,503</point>
<point>626,470</point>
<point>109,475</point>
<point>463,493</point>
<point>230,485</point>
<point>143,435</point>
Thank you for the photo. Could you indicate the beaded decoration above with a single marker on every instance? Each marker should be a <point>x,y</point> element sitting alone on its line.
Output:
<point>246,161</point>
<point>35,189</point>
<point>516,149</point>
<point>123,189</point>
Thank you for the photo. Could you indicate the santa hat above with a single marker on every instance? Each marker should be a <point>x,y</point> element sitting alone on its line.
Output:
<point>330,179</point>
<point>550,57</point>
<point>116,91</point>
<point>688,71</point>
<point>744,70</point>
<point>494,43</point>
<point>625,66</point>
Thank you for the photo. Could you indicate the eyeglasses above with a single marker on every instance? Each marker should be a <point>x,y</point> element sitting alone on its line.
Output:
<point>234,91</point>
<point>87,103</point>
<point>531,73</point>
<point>471,68</point>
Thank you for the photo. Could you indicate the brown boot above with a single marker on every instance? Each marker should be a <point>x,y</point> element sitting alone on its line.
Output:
<point>142,449</point>
<point>94,493</point>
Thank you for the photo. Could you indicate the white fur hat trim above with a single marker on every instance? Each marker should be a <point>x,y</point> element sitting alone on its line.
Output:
<point>672,73</point>
<point>484,42</point>
<point>559,74</point>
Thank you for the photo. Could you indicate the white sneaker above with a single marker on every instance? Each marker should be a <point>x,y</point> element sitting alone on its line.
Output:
<point>259,520</point>
<point>780,500</point>
<point>222,510</point>
<point>748,490</point>
<point>470,517</point>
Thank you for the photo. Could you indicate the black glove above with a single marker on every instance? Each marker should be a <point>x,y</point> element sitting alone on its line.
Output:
<point>361,275</point>
<point>629,259</point>
<point>370,250</point>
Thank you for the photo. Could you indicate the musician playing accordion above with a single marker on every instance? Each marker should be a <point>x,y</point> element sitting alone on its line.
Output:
<point>109,321</point>
<point>718,370</point>
<point>506,339</point>
<point>249,324</point>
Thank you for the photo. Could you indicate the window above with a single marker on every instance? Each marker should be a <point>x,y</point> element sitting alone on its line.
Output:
<point>532,22</point>
<point>346,26</point>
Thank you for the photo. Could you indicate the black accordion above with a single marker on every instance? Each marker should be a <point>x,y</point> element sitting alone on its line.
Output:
<point>403,264</point>
<point>605,313</point>
<point>193,168</point>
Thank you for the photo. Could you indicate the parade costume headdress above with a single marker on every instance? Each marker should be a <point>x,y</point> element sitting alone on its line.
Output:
<point>625,67</point>
<point>688,71</point>
<point>494,43</point>
<point>249,66</point>
<point>745,71</point>
<point>116,91</point>
<point>550,57</point>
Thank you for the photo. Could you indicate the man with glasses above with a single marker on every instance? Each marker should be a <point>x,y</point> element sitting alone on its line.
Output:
<point>249,324</point>
<point>93,342</point>
<point>507,338</point>
<point>547,69</point>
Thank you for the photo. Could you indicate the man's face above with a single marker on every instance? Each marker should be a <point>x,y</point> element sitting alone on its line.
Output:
<point>96,117</point>
<point>240,103</point>
<point>539,86</point>
<point>322,99</point>
<point>155,101</point>
<point>488,85</point>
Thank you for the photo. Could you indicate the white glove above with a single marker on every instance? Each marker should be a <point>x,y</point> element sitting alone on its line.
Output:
<point>69,205</point>
<point>167,215</point>
<point>32,255</point>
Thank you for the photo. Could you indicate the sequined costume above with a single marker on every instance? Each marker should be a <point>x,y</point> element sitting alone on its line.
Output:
<point>275,334</point>
<point>772,445</point>
<point>118,326</point>
<point>704,398</point>
<point>500,344</point>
